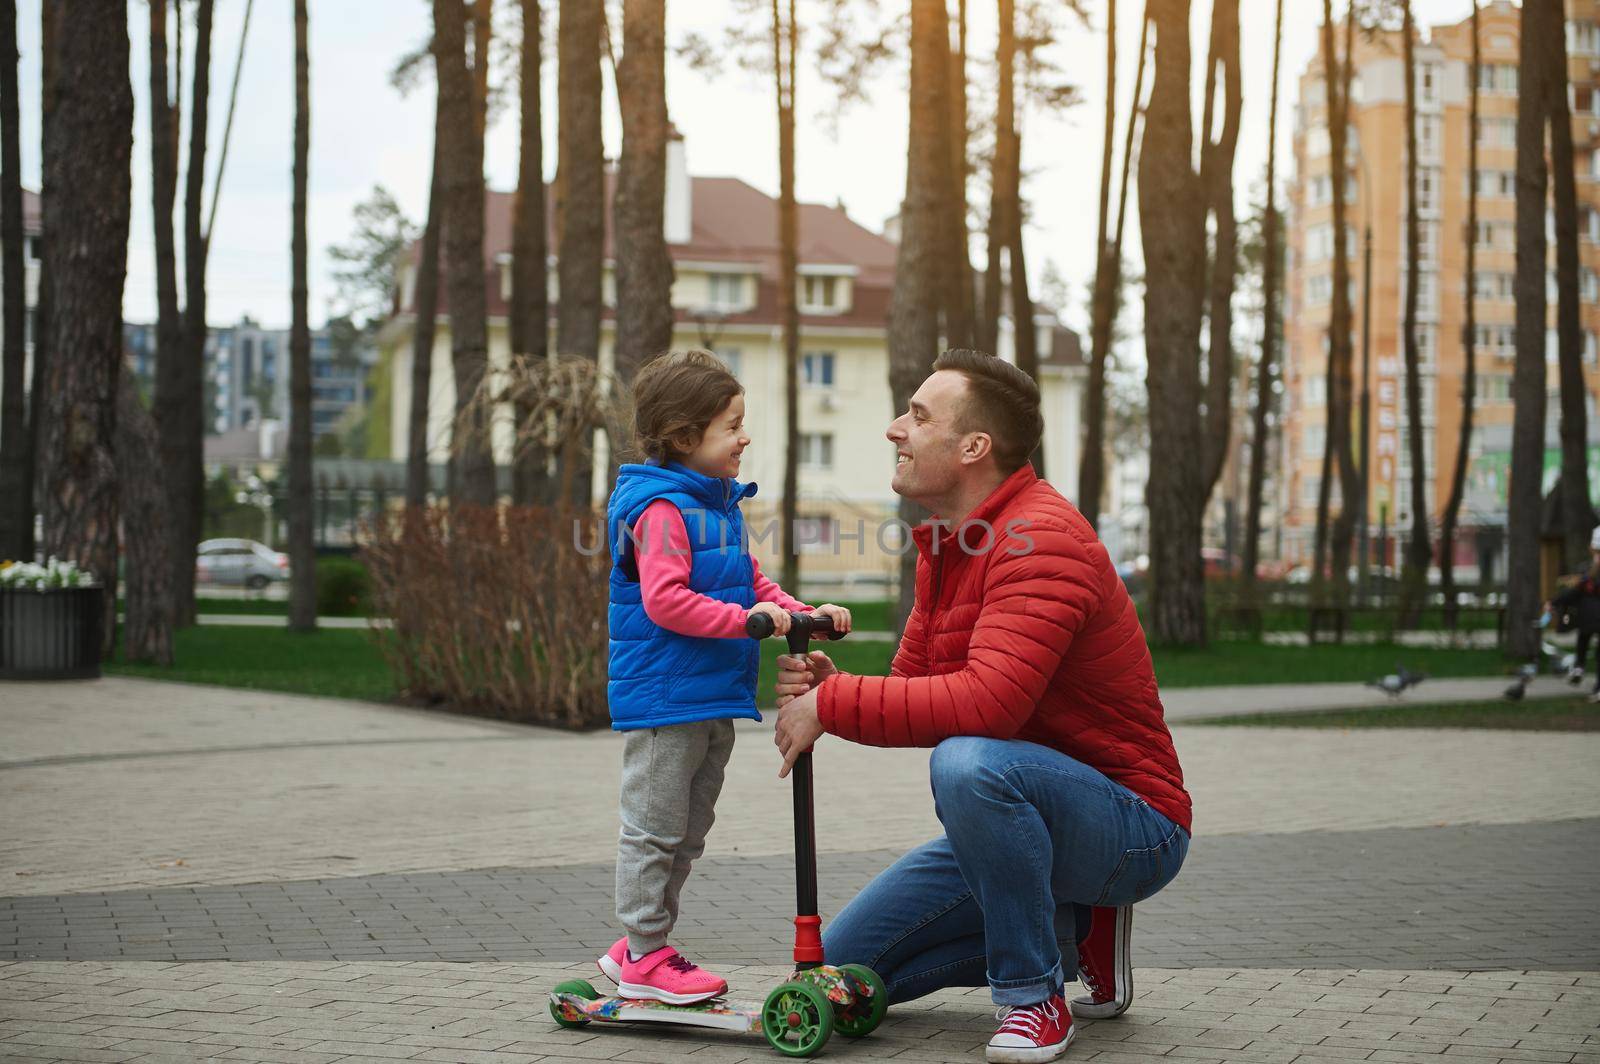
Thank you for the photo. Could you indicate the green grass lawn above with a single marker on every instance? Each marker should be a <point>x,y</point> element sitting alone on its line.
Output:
<point>1251,663</point>
<point>1543,714</point>
<point>337,662</point>
<point>344,663</point>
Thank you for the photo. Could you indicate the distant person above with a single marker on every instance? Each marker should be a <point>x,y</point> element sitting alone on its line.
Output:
<point>1024,667</point>
<point>681,668</point>
<point>1581,604</point>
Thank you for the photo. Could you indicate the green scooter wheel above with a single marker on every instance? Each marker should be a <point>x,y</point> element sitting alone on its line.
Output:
<point>862,1016</point>
<point>797,1019</point>
<point>578,988</point>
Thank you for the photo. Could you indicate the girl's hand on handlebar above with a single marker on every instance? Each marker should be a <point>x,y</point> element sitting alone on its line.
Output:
<point>840,615</point>
<point>780,617</point>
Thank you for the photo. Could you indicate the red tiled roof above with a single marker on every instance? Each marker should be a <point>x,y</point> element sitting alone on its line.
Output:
<point>730,222</point>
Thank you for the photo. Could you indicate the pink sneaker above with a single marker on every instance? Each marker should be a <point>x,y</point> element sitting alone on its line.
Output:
<point>610,963</point>
<point>666,976</point>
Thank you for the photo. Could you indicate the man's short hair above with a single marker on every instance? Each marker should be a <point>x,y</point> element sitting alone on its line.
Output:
<point>1002,401</point>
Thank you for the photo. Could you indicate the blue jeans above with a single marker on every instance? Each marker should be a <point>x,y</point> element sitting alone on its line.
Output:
<point>1032,839</point>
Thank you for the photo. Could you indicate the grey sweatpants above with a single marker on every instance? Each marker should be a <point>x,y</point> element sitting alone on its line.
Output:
<point>671,777</point>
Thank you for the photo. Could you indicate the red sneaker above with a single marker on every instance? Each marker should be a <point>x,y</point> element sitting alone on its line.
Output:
<point>666,975</point>
<point>1031,1033</point>
<point>1104,966</point>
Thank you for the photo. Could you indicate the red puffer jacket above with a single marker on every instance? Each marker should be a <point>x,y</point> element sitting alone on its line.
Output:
<point>1032,638</point>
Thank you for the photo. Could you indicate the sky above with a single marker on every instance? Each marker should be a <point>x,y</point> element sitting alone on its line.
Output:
<point>364,132</point>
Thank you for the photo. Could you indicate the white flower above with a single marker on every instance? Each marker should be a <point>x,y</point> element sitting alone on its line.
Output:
<point>55,573</point>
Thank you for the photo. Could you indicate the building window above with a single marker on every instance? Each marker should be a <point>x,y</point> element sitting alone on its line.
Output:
<point>1497,132</point>
<point>1583,38</point>
<point>1498,287</point>
<point>1319,289</point>
<point>816,534</point>
<point>1588,285</point>
<point>1316,391</point>
<point>1312,441</point>
<point>1497,77</point>
<point>819,291</point>
<point>727,290</point>
<point>816,369</point>
<point>1428,80</point>
<point>730,357</point>
<point>816,450</point>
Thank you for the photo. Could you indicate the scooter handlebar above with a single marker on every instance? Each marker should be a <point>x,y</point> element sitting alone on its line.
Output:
<point>816,626</point>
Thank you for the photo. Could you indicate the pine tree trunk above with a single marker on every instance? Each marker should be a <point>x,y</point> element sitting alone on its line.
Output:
<point>1523,593</point>
<point>302,551</point>
<point>783,56</point>
<point>1469,342</point>
<point>914,307</point>
<point>1172,224</point>
<point>1216,175</point>
<point>182,418</point>
<point>172,352</point>
<point>1419,552</point>
<point>530,305</point>
<point>1024,331</point>
<point>580,209</point>
<point>18,509</point>
<point>1107,297</point>
<point>32,461</point>
<point>462,197</point>
<point>1092,464</point>
<point>425,298</point>
<point>644,270</point>
<point>1577,516</point>
<point>147,632</point>
<point>88,149</point>
<point>1341,388</point>
<point>1259,430</point>
<point>1001,180</point>
<point>958,314</point>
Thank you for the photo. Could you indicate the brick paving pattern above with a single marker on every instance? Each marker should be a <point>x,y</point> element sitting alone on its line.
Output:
<point>206,874</point>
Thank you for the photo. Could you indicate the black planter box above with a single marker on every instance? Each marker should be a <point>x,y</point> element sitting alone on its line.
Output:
<point>52,634</point>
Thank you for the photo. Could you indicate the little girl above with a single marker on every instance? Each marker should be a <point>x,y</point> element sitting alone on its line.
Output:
<point>1581,601</point>
<point>681,667</point>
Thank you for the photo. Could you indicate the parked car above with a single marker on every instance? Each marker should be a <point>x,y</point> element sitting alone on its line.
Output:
<point>239,562</point>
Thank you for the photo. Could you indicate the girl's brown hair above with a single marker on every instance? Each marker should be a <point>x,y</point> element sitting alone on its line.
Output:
<point>675,396</point>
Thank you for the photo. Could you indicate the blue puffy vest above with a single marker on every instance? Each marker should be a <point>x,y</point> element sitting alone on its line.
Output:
<point>657,676</point>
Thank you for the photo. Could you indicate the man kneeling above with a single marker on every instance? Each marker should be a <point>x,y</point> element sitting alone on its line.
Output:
<point>1024,666</point>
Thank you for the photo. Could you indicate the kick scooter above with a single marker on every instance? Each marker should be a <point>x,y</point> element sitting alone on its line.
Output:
<point>799,1015</point>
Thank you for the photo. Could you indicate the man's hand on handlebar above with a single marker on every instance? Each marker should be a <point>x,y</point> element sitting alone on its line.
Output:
<point>797,675</point>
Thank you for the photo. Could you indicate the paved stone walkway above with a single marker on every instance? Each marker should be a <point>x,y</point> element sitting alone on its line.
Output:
<point>199,873</point>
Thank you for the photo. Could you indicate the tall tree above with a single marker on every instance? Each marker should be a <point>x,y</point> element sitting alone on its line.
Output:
<point>50,16</point>
<point>170,348</point>
<point>462,197</point>
<point>644,270</point>
<point>302,552</point>
<point>1270,330</point>
<point>914,306</point>
<point>785,33</point>
<point>1025,335</point>
<point>959,292</point>
<point>1090,469</point>
<point>147,632</point>
<point>530,305</point>
<point>14,411</point>
<point>1469,333</point>
<point>1577,516</point>
<point>425,299</point>
<point>1419,552</point>
<point>1001,181</point>
<point>1540,19</point>
<point>1341,388</point>
<point>1216,177</point>
<point>580,207</point>
<point>1107,297</point>
<point>1172,221</point>
<point>182,418</point>
<point>88,149</point>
